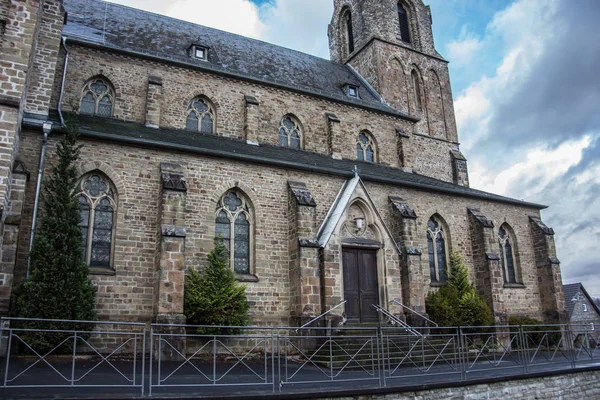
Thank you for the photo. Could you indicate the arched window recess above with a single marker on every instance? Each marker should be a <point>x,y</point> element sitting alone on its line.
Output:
<point>437,251</point>
<point>200,116</point>
<point>365,147</point>
<point>97,98</point>
<point>290,133</point>
<point>233,225</point>
<point>507,255</point>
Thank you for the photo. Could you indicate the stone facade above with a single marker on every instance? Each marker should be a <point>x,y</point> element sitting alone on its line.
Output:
<point>303,207</point>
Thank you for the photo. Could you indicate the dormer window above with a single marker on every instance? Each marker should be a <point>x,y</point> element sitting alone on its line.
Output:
<point>352,91</point>
<point>199,52</point>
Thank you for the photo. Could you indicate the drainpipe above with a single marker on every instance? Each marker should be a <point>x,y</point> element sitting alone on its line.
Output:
<point>46,128</point>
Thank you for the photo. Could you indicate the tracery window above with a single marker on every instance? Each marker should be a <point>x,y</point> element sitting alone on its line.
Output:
<point>507,256</point>
<point>289,132</point>
<point>404,25</point>
<point>200,116</point>
<point>234,226</point>
<point>97,208</point>
<point>436,245</point>
<point>97,98</point>
<point>365,147</point>
<point>417,90</point>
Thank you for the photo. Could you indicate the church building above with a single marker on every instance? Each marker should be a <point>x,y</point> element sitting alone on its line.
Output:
<point>331,181</point>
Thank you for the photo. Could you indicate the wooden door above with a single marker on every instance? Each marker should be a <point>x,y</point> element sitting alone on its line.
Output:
<point>360,285</point>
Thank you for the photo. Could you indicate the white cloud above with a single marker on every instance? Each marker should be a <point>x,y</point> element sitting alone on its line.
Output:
<point>462,51</point>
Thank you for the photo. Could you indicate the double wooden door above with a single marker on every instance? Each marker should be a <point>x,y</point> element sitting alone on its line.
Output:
<point>360,285</point>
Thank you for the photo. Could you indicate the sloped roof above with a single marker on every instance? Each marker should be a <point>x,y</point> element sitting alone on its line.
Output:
<point>110,129</point>
<point>123,28</point>
<point>571,291</point>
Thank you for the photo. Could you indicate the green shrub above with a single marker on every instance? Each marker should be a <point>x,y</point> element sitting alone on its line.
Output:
<point>457,303</point>
<point>536,332</point>
<point>58,287</point>
<point>214,297</point>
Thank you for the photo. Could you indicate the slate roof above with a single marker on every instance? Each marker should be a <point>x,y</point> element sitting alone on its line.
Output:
<point>123,28</point>
<point>571,291</point>
<point>110,129</point>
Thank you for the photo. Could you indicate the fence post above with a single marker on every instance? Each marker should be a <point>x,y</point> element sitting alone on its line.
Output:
<point>151,360</point>
<point>463,353</point>
<point>74,356</point>
<point>525,344</point>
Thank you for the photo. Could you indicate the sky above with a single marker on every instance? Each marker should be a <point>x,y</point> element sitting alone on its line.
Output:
<point>526,90</point>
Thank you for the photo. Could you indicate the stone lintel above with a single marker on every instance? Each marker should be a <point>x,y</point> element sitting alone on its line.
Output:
<point>541,225</point>
<point>400,132</point>
<point>403,208</point>
<point>482,219</point>
<point>458,155</point>
<point>307,242</point>
<point>413,251</point>
<point>251,100</point>
<point>155,80</point>
<point>332,117</point>
<point>173,231</point>
<point>303,196</point>
<point>492,256</point>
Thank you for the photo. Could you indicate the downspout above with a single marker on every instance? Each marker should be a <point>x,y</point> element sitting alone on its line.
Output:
<point>46,128</point>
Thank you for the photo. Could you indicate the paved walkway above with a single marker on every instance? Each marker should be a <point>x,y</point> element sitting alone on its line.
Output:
<point>294,380</point>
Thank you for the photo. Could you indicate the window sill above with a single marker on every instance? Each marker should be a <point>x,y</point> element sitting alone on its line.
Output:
<point>102,271</point>
<point>514,286</point>
<point>246,278</point>
<point>438,284</point>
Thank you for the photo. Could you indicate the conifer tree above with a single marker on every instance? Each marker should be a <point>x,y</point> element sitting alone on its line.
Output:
<point>213,296</point>
<point>58,286</point>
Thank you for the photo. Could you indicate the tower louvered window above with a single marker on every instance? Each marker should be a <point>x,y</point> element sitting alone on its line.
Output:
<point>350,33</point>
<point>404,26</point>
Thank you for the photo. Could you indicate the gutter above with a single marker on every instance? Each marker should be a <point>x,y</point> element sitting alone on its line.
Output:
<point>47,129</point>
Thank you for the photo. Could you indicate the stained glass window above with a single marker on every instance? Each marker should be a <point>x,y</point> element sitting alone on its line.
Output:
<point>436,246</point>
<point>97,206</point>
<point>289,133</point>
<point>507,258</point>
<point>233,226</point>
<point>365,147</point>
<point>97,98</point>
<point>200,116</point>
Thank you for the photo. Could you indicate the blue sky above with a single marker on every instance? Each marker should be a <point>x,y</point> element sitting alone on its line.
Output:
<point>526,90</point>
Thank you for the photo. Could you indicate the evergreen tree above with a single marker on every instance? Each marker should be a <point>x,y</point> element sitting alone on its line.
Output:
<point>214,297</point>
<point>458,304</point>
<point>58,286</point>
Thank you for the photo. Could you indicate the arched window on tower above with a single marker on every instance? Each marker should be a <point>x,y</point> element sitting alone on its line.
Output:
<point>365,147</point>
<point>404,24</point>
<point>290,134</point>
<point>348,37</point>
<point>436,246</point>
<point>97,98</point>
<point>97,208</point>
<point>200,116</point>
<point>507,255</point>
<point>416,90</point>
<point>233,225</point>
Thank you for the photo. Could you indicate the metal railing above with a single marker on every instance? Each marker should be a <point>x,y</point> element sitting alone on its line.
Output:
<point>395,320</point>
<point>397,302</point>
<point>64,353</point>
<point>321,316</point>
<point>230,360</point>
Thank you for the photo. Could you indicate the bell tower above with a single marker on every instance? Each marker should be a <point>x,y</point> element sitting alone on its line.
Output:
<point>390,43</point>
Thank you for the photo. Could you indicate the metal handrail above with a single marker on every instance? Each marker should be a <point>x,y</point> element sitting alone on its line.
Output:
<point>321,316</point>
<point>396,301</point>
<point>397,320</point>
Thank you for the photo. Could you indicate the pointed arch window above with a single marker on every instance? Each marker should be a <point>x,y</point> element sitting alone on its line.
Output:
<point>97,209</point>
<point>97,98</point>
<point>416,90</point>
<point>289,133</point>
<point>200,116</point>
<point>436,246</point>
<point>507,255</point>
<point>365,147</point>
<point>404,24</point>
<point>233,225</point>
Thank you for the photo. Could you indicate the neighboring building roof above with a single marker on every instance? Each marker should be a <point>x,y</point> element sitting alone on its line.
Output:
<point>122,28</point>
<point>571,292</point>
<point>109,129</point>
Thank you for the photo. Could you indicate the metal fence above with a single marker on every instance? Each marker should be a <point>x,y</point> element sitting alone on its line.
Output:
<point>226,360</point>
